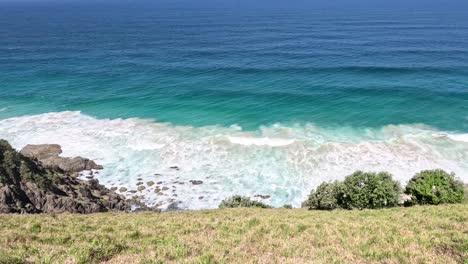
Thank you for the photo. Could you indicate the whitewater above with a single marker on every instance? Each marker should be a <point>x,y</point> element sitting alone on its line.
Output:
<point>280,162</point>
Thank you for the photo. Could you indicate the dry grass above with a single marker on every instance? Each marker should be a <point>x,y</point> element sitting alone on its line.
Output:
<point>421,234</point>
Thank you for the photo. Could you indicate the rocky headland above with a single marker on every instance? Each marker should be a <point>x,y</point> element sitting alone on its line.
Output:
<point>38,180</point>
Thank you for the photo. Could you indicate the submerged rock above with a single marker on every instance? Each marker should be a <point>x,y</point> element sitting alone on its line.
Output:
<point>48,155</point>
<point>196,182</point>
<point>29,186</point>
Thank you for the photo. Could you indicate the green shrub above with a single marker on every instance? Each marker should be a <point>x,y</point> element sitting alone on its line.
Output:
<point>369,190</point>
<point>326,197</point>
<point>241,201</point>
<point>435,187</point>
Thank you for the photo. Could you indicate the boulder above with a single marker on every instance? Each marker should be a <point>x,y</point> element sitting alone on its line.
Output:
<point>196,182</point>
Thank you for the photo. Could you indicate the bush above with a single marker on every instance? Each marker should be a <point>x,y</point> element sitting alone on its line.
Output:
<point>241,201</point>
<point>435,187</point>
<point>326,197</point>
<point>369,190</point>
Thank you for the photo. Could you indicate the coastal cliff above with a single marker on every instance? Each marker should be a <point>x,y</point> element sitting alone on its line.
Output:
<point>28,185</point>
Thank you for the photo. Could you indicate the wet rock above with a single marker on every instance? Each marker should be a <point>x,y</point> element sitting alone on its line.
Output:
<point>132,191</point>
<point>139,183</point>
<point>172,207</point>
<point>139,179</point>
<point>196,182</point>
<point>175,168</point>
<point>159,182</point>
<point>165,188</point>
<point>122,189</point>
<point>113,189</point>
<point>157,190</point>
<point>150,183</point>
<point>200,197</point>
<point>141,188</point>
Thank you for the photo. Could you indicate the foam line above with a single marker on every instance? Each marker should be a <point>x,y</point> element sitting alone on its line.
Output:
<point>285,162</point>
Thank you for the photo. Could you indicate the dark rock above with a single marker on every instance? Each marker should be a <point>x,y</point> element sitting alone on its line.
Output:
<point>200,197</point>
<point>139,179</point>
<point>48,155</point>
<point>28,186</point>
<point>175,168</point>
<point>159,182</point>
<point>139,183</point>
<point>262,196</point>
<point>172,207</point>
<point>195,182</point>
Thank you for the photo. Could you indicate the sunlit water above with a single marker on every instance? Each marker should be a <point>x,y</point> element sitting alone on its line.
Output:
<point>250,101</point>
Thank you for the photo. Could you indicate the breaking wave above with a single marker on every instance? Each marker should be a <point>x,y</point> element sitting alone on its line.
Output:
<point>284,162</point>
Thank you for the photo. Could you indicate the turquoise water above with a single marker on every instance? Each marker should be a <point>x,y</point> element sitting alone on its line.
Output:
<point>246,66</point>
<point>248,99</point>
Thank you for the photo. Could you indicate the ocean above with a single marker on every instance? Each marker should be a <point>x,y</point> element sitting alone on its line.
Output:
<point>251,100</point>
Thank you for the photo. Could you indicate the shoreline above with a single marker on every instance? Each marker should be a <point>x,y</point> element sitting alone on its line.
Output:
<point>284,163</point>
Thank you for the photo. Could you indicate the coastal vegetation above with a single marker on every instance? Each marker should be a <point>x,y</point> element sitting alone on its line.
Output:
<point>378,190</point>
<point>241,201</point>
<point>435,187</point>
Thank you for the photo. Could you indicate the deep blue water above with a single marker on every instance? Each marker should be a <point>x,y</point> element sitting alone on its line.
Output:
<point>236,65</point>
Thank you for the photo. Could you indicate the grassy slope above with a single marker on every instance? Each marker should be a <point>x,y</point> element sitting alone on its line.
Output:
<point>421,234</point>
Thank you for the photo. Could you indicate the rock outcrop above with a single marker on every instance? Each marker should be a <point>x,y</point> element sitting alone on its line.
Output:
<point>28,186</point>
<point>48,155</point>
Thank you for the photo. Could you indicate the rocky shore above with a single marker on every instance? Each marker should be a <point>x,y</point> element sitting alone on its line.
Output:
<point>38,180</point>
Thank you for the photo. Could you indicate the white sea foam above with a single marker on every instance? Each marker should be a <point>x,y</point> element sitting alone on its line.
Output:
<point>459,137</point>
<point>248,141</point>
<point>285,162</point>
